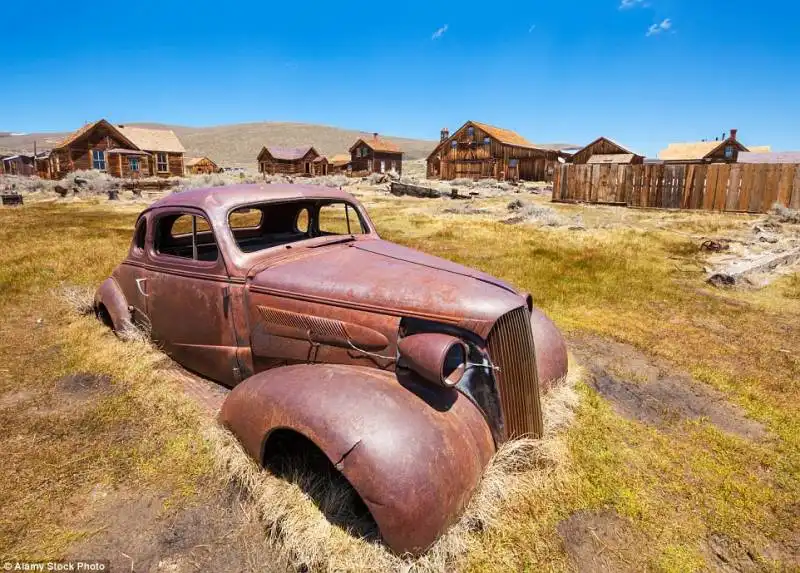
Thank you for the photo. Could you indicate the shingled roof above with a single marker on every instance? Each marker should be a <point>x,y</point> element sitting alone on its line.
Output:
<point>506,136</point>
<point>289,153</point>
<point>149,139</point>
<point>377,143</point>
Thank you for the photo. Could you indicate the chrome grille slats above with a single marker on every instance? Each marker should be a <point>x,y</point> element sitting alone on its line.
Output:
<point>511,348</point>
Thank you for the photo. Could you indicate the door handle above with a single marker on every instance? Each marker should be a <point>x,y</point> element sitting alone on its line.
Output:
<point>139,286</point>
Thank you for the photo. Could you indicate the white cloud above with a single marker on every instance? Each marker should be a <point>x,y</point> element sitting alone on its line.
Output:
<point>626,4</point>
<point>658,28</point>
<point>439,33</point>
<point>532,28</point>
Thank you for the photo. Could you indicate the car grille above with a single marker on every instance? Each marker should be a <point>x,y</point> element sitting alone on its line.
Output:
<point>511,349</point>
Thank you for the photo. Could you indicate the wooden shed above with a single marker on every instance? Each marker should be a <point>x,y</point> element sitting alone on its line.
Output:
<point>339,163</point>
<point>200,165</point>
<point>375,155</point>
<point>606,151</point>
<point>19,164</point>
<point>120,151</point>
<point>289,160</point>
<point>477,150</point>
<point>725,150</point>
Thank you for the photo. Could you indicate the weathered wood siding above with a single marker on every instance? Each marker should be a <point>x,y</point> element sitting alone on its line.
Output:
<point>601,147</point>
<point>205,165</point>
<point>302,166</point>
<point>469,155</point>
<point>371,162</point>
<point>751,188</point>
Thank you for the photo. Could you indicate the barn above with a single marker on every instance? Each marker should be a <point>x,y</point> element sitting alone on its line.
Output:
<point>289,161</point>
<point>604,151</point>
<point>477,150</point>
<point>200,165</point>
<point>375,155</point>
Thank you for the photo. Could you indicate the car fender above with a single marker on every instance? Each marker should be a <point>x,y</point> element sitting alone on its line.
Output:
<point>414,452</point>
<point>552,362</point>
<point>110,295</point>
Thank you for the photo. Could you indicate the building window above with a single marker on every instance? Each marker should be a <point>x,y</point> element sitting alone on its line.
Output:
<point>487,140</point>
<point>98,159</point>
<point>161,162</point>
<point>133,162</point>
<point>471,131</point>
<point>454,144</point>
<point>729,152</point>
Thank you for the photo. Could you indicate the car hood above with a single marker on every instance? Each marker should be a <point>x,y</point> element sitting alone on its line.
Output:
<point>383,277</point>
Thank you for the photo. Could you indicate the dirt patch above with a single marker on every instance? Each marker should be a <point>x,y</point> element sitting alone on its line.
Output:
<point>14,399</point>
<point>207,394</point>
<point>728,555</point>
<point>83,385</point>
<point>597,540</point>
<point>138,534</point>
<point>655,392</point>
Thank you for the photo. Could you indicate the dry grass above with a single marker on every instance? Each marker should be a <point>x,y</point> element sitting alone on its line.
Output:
<point>635,276</point>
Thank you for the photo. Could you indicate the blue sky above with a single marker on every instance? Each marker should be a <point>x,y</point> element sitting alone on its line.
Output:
<point>645,72</point>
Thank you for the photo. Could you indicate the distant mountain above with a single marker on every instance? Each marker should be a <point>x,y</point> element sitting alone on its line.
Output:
<point>238,145</point>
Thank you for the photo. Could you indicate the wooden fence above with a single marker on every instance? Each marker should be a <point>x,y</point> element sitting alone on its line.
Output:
<point>751,188</point>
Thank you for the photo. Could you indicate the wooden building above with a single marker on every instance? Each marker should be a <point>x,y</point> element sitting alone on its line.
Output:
<point>120,151</point>
<point>606,151</point>
<point>289,161</point>
<point>339,163</point>
<point>200,165</point>
<point>375,155</point>
<point>725,150</point>
<point>19,164</point>
<point>477,150</point>
<point>784,157</point>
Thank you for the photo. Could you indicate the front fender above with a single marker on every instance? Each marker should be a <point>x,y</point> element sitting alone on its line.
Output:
<point>110,295</point>
<point>414,453</point>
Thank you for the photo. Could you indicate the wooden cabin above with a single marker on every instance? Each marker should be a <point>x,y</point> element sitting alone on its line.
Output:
<point>321,165</point>
<point>725,150</point>
<point>200,166</point>
<point>338,163</point>
<point>477,150</point>
<point>604,151</point>
<point>289,161</point>
<point>120,151</point>
<point>19,164</point>
<point>375,155</point>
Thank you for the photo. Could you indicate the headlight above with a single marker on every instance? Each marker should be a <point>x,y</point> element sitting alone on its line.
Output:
<point>438,358</point>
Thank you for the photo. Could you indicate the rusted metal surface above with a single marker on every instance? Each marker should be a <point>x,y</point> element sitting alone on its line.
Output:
<point>412,451</point>
<point>341,306</point>
<point>11,199</point>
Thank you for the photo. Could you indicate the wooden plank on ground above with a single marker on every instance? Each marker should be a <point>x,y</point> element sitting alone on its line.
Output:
<point>732,197</point>
<point>785,184</point>
<point>721,189</point>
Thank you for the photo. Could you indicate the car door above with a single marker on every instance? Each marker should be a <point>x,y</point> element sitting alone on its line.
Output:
<point>188,295</point>
<point>132,274</point>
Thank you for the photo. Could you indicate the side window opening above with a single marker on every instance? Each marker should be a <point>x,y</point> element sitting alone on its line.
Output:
<point>186,236</point>
<point>259,227</point>
<point>338,219</point>
<point>141,233</point>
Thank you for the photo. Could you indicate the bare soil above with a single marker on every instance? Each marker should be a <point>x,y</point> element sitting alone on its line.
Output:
<point>641,387</point>
<point>597,541</point>
<point>728,555</point>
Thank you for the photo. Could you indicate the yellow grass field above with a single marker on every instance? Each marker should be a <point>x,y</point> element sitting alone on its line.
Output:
<point>683,454</point>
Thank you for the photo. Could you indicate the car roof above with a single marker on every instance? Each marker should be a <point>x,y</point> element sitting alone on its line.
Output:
<point>222,199</point>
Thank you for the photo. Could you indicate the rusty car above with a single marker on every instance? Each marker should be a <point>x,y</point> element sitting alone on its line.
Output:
<point>406,370</point>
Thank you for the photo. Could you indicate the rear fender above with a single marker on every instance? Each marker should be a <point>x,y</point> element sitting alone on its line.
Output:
<point>110,295</point>
<point>413,452</point>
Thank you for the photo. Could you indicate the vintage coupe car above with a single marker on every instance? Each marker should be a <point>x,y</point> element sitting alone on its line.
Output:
<point>406,370</point>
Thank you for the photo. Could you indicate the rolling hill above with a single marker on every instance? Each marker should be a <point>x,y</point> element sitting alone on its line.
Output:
<point>237,145</point>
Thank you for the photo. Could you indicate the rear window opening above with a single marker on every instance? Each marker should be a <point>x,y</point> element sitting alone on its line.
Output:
<point>186,236</point>
<point>263,226</point>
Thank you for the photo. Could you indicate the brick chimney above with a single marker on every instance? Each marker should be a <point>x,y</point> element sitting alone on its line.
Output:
<point>733,134</point>
<point>445,134</point>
